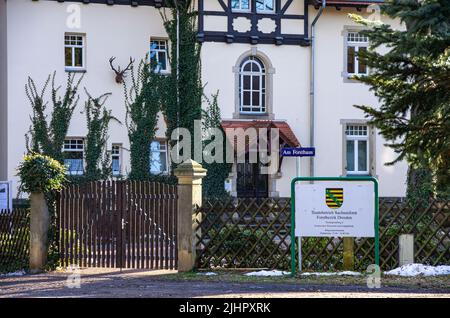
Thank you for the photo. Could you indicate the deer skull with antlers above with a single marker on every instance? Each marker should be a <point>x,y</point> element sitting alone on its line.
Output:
<point>121,74</point>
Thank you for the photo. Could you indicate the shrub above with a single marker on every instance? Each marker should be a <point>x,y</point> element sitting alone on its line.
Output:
<point>40,173</point>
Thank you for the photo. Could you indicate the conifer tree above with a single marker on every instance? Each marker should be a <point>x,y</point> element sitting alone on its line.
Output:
<point>412,82</point>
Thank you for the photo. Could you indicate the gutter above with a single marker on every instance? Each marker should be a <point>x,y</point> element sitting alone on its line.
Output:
<point>312,85</point>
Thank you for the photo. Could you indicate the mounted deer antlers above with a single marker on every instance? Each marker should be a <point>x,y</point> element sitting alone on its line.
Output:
<point>121,74</point>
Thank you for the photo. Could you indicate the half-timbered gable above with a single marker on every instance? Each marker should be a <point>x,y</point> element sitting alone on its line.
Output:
<point>253,21</point>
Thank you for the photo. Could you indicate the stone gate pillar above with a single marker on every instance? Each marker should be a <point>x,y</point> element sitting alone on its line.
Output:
<point>189,174</point>
<point>39,225</point>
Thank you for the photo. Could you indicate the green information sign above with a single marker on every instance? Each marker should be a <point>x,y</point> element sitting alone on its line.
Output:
<point>347,209</point>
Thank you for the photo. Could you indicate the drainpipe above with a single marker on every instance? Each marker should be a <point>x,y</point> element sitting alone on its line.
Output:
<point>178,63</point>
<point>312,88</point>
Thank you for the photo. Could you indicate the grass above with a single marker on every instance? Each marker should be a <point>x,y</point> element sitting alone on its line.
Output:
<point>436,282</point>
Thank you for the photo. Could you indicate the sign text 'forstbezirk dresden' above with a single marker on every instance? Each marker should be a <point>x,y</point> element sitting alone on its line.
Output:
<point>337,209</point>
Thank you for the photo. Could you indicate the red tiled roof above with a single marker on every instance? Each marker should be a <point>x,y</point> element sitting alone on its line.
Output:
<point>286,133</point>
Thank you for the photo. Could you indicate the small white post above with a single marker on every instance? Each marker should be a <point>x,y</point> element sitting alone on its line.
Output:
<point>406,249</point>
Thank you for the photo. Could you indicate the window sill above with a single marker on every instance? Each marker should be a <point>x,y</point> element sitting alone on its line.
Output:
<point>241,11</point>
<point>75,70</point>
<point>265,12</point>
<point>348,78</point>
<point>259,116</point>
<point>357,175</point>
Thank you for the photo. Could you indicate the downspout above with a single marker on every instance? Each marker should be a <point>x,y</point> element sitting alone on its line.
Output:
<point>312,88</point>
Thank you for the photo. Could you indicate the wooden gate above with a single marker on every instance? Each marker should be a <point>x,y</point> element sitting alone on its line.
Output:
<point>121,224</point>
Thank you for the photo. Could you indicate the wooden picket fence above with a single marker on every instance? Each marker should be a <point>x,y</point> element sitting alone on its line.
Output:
<point>255,233</point>
<point>120,224</point>
<point>14,239</point>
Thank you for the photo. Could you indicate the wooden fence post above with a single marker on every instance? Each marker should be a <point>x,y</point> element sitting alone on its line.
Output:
<point>189,174</point>
<point>349,257</point>
<point>39,225</point>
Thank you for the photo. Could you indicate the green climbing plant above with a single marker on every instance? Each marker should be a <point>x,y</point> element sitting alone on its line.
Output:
<point>142,102</point>
<point>98,118</point>
<point>183,91</point>
<point>47,136</point>
<point>218,171</point>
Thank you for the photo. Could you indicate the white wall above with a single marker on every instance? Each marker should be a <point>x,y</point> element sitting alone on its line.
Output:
<point>335,98</point>
<point>3,94</point>
<point>36,48</point>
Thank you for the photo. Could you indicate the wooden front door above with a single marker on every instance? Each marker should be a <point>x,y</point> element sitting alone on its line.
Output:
<point>250,182</point>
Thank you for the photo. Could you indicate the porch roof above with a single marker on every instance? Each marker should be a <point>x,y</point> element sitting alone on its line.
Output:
<point>286,134</point>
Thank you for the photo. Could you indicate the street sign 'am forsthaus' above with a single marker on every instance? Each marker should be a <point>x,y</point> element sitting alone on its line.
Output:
<point>298,152</point>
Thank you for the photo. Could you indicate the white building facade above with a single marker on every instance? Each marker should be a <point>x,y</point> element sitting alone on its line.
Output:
<point>256,53</point>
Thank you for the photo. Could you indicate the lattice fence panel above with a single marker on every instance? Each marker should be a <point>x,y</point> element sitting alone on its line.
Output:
<point>255,233</point>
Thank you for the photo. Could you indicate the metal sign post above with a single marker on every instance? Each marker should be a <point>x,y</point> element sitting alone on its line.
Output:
<point>298,153</point>
<point>299,238</point>
<point>335,203</point>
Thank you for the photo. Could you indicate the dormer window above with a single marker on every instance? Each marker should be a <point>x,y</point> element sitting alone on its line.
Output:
<point>265,6</point>
<point>240,5</point>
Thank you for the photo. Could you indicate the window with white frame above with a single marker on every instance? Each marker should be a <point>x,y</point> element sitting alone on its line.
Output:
<point>73,150</point>
<point>240,5</point>
<point>356,43</point>
<point>74,52</point>
<point>252,86</point>
<point>116,163</point>
<point>158,157</point>
<point>158,53</point>
<point>265,6</point>
<point>357,149</point>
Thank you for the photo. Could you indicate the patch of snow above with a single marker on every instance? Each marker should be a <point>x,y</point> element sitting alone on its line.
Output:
<point>344,273</point>
<point>208,274</point>
<point>267,273</point>
<point>419,269</point>
<point>18,273</point>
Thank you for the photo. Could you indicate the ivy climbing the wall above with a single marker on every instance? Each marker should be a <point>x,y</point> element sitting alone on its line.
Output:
<point>48,137</point>
<point>183,89</point>
<point>98,118</point>
<point>143,102</point>
<point>213,183</point>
